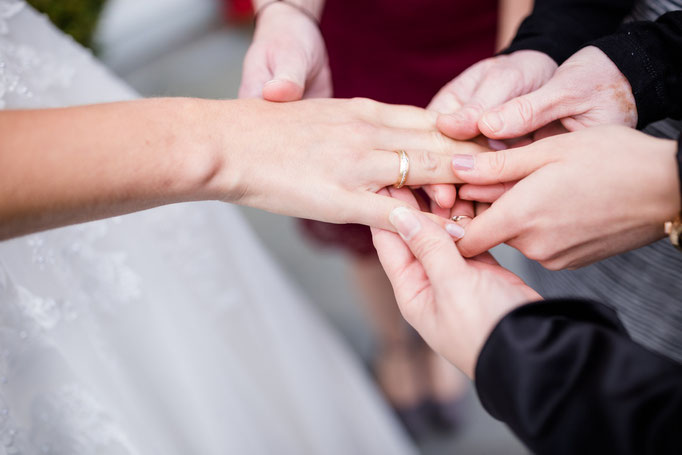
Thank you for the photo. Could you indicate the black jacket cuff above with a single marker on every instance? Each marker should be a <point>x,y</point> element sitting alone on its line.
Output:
<point>679,162</point>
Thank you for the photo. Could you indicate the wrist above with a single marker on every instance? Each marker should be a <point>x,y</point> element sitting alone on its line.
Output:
<point>201,149</point>
<point>310,8</point>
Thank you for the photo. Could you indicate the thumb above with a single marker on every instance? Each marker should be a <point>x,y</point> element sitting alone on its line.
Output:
<point>432,246</point>
<point>289,74</point>
<point>525,114</point>
<point>505,165</point>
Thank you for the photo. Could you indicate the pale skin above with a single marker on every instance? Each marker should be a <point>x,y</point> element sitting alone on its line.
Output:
<point>573,199</point>
<point>624,182</point>
<point>454,303</point>
<point>321,159</point>
<point>287,61</point>
<point>510,96</point>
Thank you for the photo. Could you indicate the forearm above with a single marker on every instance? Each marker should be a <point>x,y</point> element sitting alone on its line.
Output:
<point>560,27</point>
<point>63,166</point>
<point>567,379</point>
<point>315,7</point>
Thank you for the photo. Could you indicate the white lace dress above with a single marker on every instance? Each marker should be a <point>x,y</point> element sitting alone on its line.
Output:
<point>168,331</point>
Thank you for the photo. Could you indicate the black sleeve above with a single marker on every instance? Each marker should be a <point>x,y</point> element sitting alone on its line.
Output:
<point>649,54</point>
<point>679,161</point>
<point>567,379</point>
<point>560,27</point>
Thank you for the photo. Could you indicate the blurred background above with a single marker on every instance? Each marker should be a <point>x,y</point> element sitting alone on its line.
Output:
<point>195,48</point>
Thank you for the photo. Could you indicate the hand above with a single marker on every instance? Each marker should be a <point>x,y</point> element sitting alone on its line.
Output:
<point>587,90</point>
<point>325,159</point>
<point>580,197</point>
<point>287,60</point>
<point>454,303</point>
<point>486,85</point>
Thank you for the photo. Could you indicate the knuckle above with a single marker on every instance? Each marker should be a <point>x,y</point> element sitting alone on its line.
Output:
<point>497,162</point>
<point>524,109</point>
<point>534,251</point>
<point>428,161</point>
<point>439,141</point>
<point>364,105</point>
<point>427,246</point>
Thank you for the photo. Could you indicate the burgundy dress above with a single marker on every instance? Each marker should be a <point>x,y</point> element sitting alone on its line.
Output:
<point>399,52</point>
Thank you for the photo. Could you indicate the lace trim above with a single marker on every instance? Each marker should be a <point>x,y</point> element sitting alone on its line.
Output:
<point>24,71</point>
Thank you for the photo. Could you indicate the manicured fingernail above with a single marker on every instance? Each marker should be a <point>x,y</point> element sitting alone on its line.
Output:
<point>455,230</point>
<point>405,222</point>
<point>463,162</point>
<point>497,145</point>
<point>493,121</point>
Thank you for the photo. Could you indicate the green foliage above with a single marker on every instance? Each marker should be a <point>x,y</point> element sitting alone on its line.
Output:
<point>78,18</point>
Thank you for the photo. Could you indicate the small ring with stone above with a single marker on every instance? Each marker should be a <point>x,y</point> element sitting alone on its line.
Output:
<point>404,168</point>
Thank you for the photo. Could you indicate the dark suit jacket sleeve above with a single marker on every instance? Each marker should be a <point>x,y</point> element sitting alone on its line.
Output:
<point>567,379</point>
<point>560,27</point>
<point>649,54</point>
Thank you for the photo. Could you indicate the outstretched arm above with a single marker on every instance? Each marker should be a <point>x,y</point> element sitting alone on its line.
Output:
<point>320,159</point>
<point>63,166</point>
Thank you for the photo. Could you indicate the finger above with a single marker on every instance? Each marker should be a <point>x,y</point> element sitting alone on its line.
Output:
<point>503,166</point>
<point>459,90</point>
<point>443,195</point>
<point>527,113</point>
<point>254,75</point>
<point>486,258</point>
<point>550,130</point>
<point>494,90</point>
<point>410,139</point>
<point>375,209</point>
<point>462,213</point>
<point>430,245</point>
<point>396,116</point>
<point>382,168</point>
<point>401,194</point>
<point>493,227</point>
<point>484,193</point>
<point>321,85</point>
<point>481,207</point>
<point>289,73</point>
<point>394,255</point>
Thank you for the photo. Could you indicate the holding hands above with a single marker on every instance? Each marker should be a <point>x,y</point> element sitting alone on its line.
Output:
<point>572,199</point>
<point>453,302</point>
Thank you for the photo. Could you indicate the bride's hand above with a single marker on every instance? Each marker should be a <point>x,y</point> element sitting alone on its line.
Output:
<point>326,159</point>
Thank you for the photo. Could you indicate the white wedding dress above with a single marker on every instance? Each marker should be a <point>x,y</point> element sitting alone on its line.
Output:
<point>168,331</point>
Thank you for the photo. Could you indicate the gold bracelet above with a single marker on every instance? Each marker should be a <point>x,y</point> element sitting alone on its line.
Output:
<point>674,230</point>
<point>300,9</point>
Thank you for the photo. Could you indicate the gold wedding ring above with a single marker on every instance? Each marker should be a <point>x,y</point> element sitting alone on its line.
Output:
<point>457,218</point>
<point>404,168</point>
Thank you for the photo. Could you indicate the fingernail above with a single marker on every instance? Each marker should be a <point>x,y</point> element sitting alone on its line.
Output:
<point>493,121</point>
<point>463,162</point>
<point>405,222</point>
<point>455,230</point>
<point>497,145</point>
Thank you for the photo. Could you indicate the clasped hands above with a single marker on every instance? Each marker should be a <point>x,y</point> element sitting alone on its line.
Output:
<point>565,200</point>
